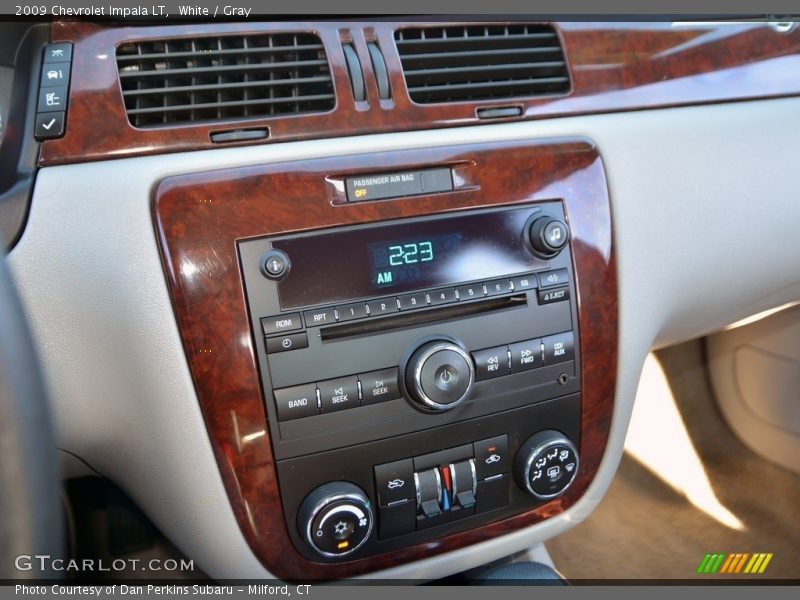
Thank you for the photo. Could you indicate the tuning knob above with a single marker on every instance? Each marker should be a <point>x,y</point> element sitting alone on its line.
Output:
<point>335,519</point>
<point>547,236</point>
<point>546,465</point>
<point>439,375</point>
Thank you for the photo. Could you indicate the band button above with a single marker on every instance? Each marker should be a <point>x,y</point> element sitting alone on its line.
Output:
<point>296,402</point>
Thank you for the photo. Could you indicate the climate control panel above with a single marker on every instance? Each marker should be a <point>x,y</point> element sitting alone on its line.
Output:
<point>464,476</point>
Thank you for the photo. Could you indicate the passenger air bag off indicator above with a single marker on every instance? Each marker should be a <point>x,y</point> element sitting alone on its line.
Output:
<point>396,185</point>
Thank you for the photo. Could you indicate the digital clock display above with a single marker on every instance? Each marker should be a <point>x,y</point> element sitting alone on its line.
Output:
<point>410,260</point>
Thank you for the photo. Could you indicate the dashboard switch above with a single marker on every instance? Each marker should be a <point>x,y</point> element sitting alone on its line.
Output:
<point>320,316</point>
<point>526,355</point>
<point>553,278</point>
<point>296,402</point>
<point>335,519</point>
<point>291,341</point>
<point>470,292</point>
<point>524,282</point>
<point>491,457</point>
<point>395,482</point>
<point>429,492</point>
<point>348,312</point>
<point>281,323</point>
<point>464,477</point>
<point>274,264</point>
<point>559,348</point>
<point>547,236</point>
<point>412,301</point>
<point>444,296</point>
<point>546,465</point>
<point>49,125</point>
<point>338,394</point>
<point>379,386</point>
<point>57,53</point>
<point>52,98</point>
<point>492,362</point>
<point>439,375</point>
<point>549,296</point>
<point>499,287</point>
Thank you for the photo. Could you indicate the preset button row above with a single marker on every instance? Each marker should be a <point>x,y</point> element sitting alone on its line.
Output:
<point>319,317</point>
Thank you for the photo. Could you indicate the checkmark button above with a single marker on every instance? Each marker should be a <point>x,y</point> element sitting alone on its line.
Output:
<point>49,125</point>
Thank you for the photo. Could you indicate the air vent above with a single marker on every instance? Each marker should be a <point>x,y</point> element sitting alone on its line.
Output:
<point>170,82</point>
<point>481,62</point>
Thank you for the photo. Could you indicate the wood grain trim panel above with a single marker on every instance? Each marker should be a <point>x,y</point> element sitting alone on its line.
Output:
<point>614,67</point>
<point>198,219</point>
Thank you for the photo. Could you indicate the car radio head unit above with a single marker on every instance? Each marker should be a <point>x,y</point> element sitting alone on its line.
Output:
<point>406,363</point>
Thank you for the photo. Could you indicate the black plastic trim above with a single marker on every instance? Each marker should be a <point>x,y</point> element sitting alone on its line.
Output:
<point>19,151</point>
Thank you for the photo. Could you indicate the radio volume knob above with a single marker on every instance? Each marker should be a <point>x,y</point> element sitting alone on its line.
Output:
<point>439,375</point>
<point>547,236</point>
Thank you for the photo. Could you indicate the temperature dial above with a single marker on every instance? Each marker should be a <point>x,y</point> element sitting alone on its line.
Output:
<point>546,465</point>
<point>335,519</point>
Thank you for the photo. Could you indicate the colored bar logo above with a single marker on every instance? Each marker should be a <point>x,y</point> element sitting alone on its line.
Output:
<point>737,562</point>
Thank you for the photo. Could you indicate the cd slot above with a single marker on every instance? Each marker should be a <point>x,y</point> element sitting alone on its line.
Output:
<point>421,317</point>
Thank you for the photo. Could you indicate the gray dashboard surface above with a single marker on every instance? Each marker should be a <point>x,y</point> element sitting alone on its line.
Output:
<point>705,207</point>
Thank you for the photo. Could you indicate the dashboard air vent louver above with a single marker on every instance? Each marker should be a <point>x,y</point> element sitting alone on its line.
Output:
<point>481,62</point>
<point>170,82</point>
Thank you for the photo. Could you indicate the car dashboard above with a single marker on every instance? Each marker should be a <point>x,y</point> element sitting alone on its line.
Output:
<point>371,298</point>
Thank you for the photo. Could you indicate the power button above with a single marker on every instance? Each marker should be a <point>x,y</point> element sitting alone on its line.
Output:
<point>274,264</point>
<point>439,375</point>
